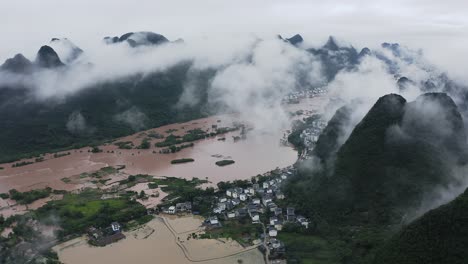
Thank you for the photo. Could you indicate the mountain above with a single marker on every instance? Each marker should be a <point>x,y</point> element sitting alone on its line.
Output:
<point>333,136</point>
<point>135,39</point>
<point>395,156</point>
<point>47,120</point>
<point>48,58</point>
<point>438,237</point>
<point>39,126</point>
<point>366,186</point>
<point>17,64</point>
<point>68,51</point>
<point>295,40</point>
<point>335,58</point>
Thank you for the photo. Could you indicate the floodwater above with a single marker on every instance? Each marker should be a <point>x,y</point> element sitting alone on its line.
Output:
<point>258,153</point>
<point>156,243</point>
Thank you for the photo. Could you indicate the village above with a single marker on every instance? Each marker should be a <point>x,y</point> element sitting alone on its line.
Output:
<point>259,203</point>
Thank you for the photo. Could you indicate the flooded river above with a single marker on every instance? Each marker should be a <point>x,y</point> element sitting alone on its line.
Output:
<point>258,153</point>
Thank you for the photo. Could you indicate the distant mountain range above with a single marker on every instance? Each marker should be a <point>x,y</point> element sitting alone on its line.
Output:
<point>33,126</point>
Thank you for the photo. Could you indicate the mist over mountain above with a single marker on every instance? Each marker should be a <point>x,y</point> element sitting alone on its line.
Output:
<point>400,161</point>
<point>135,39</point>
<point>137,69</point>
<point>399,153</point>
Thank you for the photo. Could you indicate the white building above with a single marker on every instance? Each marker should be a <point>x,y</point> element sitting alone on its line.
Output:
<point>243,197</point>
<point>272,232</point>
<point>255,217</point>
<point>214,220</point>
<point>171,210</point>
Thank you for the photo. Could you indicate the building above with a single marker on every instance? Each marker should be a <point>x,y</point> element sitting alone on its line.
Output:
<point>278,211</point>
<point>266,199</point>
<point>184,207</point>
<point>272,232</point>
<point>255,217</point>
<point>213,220</point>
<point>279,225</point>
<point>273,220</point>
<point>256,201</point>
<point>252,208</point>
<point>236,192</point>
<point>231,215</point>
<point>303,221</point>
<point>170,210</point>
<point>243,197</point>
<point>272,206</point>
<point>235,202</point>
<point>116,227</point>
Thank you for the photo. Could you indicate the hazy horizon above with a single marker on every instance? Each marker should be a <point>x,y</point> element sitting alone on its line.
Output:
<point>438,28</point>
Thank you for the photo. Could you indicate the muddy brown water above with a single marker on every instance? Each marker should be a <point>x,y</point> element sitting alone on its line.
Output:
<point>258,153</point>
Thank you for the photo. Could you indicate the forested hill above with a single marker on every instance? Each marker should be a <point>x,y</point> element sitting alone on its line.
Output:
<point>106,111</point>
<point>396,158</point>
<point>397,154</point>
<point>438,237</point>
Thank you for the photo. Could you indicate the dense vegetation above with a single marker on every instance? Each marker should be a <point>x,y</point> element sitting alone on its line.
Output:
<point>29,196</point>
<point>185,160</point>
<point>110,110</point>
<point>222,163</point>
<point>440,236</point>
<point>74,214</point>
<point>80,211</point>
<point>393,158</point>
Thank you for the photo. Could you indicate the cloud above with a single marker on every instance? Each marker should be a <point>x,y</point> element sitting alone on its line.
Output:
<point>76,123</point>
<point>132,117</point>
<point>255,87</point>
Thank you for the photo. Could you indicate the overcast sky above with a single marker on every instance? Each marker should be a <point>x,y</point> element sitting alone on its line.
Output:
<point>439,27</point>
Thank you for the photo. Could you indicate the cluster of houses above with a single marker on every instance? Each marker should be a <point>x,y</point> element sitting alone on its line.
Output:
<point>294,97</point>
<point>310,135</point>
<point>257,202</point>
<point>104,236</point>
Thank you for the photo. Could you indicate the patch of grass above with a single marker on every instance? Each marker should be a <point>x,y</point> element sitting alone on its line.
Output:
<point>152,185</point>
<point>224,162</point>
<point>124,144</point>
<point>178,161</point>
<point>241,231</point>
<point>80,211</point>
<point>308,249</point>
<point>29,196</point>
<point>66,180</point>
<point>145,144</point>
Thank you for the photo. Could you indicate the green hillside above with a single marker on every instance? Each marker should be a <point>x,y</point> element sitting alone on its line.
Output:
<point>33,127</point>
<point>438,237</point>
<point>395,157</point>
